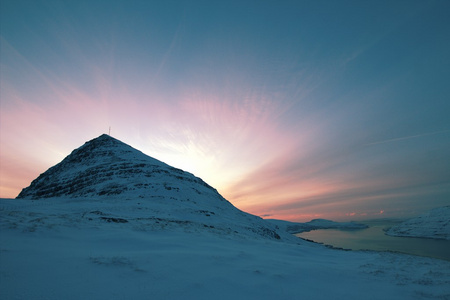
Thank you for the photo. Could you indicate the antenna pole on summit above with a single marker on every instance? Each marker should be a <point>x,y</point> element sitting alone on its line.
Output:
<point>109,133</point>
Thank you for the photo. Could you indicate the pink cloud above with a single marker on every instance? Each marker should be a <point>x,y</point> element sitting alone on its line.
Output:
<point>298,184</point>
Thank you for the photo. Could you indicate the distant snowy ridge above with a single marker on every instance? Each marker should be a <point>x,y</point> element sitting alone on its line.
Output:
<point>434,224</point>
<point>315,224</point>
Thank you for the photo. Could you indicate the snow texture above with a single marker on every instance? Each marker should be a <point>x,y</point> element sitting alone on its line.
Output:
<point>434,224</point>
<point>109,222</point>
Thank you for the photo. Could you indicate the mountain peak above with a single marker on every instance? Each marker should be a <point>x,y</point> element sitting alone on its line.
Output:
<point>104,139</point>
<point>107,146</point>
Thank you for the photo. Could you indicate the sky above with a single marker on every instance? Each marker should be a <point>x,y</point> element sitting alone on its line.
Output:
<point>292,110</point>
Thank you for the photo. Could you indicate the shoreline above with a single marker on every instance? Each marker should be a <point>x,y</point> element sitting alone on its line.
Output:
<point>375,240</point>
<point>369,250</point>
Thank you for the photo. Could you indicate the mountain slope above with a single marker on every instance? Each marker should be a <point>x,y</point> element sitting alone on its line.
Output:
<point>102,166</point>
<point>109,248</point>
<point>117,183</point>
<point>433,224</point>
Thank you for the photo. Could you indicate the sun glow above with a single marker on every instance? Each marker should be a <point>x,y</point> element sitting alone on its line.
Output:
<point>258,107</point>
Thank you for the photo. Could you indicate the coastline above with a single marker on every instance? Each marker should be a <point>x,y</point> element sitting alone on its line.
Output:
<point>375,239</point>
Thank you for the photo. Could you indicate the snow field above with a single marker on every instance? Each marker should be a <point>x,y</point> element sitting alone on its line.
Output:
<point>95,259</point>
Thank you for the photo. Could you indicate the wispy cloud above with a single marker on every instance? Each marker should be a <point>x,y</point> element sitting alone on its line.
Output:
<point>408,137</point>
<point>299,184</point>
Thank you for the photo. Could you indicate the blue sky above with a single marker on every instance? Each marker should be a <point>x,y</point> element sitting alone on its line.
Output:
<point>291,109</point>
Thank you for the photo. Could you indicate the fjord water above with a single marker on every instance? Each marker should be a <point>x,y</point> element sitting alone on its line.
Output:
<point>374,238</point>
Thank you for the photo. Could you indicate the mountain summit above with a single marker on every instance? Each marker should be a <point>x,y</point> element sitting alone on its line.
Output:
<point>106,180</point>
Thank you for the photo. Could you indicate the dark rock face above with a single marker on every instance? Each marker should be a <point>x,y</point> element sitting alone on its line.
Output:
<point>103,167</point>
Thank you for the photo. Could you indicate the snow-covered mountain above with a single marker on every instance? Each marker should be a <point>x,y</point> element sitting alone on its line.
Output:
<point>106,166</point>
<point>433,224</point>
<point>117,183</point>
<point>109,222</point>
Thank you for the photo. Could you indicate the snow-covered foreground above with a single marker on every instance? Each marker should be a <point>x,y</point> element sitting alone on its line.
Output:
<point>109,222</point>
<point>434,224</point>
<point>92,249</point>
